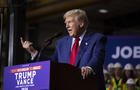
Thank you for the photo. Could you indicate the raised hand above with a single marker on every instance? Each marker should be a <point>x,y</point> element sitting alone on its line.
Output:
<point>28,46</point>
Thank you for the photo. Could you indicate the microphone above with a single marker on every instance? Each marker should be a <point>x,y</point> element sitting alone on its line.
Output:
<point>48,42</point>
<point>54,36</point>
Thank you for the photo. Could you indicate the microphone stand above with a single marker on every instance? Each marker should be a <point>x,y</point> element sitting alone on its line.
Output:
<point>47,43</point>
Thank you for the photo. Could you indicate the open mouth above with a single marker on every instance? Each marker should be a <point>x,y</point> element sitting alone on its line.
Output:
<point>69,30</point>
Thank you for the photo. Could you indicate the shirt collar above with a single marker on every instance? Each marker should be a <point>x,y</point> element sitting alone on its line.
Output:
<point>81,37</point>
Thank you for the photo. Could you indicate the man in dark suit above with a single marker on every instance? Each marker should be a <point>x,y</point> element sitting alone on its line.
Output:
<point>81,48</point>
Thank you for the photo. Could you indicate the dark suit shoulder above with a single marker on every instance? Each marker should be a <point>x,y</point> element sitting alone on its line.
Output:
<point>63,39</point>
<point>95,35</point>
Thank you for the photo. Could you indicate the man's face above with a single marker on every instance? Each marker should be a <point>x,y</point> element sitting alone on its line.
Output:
<point>118,71</point>
<point>111,71</point>
<point>128,73</point>
<point>73,26</point>
<point>130,87</point>
<point>138,73</point>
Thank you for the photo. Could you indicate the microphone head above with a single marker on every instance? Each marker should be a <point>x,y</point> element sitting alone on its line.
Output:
<point>54,36</point>
<point>58,34</point>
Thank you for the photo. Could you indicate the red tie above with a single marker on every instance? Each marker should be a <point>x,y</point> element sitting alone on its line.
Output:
<point>74,51</point>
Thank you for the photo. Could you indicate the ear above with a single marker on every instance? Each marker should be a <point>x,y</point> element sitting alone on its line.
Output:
<point>81,24</point>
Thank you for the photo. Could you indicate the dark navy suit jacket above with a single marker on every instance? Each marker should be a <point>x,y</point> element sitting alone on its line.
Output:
<point>91,53</point>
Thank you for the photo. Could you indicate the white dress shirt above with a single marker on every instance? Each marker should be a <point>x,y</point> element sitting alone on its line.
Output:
<point>81,38</point>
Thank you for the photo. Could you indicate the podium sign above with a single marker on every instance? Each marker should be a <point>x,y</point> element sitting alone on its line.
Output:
<point>32,76</point>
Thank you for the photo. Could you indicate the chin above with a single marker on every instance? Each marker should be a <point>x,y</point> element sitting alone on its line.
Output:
<point>71,35</point>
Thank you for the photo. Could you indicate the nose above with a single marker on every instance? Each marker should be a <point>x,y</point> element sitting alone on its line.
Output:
<point>67,25</point>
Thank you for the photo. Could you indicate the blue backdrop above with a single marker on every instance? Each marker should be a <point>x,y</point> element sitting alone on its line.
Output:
<point>123,49</point>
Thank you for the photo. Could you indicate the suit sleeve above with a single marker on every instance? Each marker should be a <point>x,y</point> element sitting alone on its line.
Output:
<point>98,55</point>
<point>41,56</point>
<point>54,56</point>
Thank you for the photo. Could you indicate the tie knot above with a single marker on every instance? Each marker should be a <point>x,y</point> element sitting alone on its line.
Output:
<point>77,39</point>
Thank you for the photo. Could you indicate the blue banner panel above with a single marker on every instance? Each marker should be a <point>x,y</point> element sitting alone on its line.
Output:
<point>123,49</point>
<point>32,76</point>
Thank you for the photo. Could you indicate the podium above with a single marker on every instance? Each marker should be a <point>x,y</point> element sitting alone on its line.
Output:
<point>46,75</point>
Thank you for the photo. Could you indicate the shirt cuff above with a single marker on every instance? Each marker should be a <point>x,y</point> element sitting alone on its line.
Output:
<point>33,57</point>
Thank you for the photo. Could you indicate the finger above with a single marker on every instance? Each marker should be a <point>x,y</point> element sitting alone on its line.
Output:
<point>30,43</point>
<point>90,71</point>
<point>83,72</point>
<point>87,72</point>
<point>83,75</point>
<point>22,41</point>
<point>27,42</point>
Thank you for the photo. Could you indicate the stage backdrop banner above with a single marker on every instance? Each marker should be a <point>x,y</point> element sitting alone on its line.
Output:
<point>32,76</point>
<point>123,49</point>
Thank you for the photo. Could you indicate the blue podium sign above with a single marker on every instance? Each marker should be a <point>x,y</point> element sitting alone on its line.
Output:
<point>32,76</point>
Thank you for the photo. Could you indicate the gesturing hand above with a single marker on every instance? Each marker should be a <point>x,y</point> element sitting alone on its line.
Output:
<point>28,46</point>
<point>86,71</point>
<point>25,44</point>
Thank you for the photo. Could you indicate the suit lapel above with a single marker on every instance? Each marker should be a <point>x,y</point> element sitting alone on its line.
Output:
<point>83,47</point>
<point>68,46</point>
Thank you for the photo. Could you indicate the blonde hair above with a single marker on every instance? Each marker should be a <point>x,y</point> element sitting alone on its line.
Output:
<point>79,14</point>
